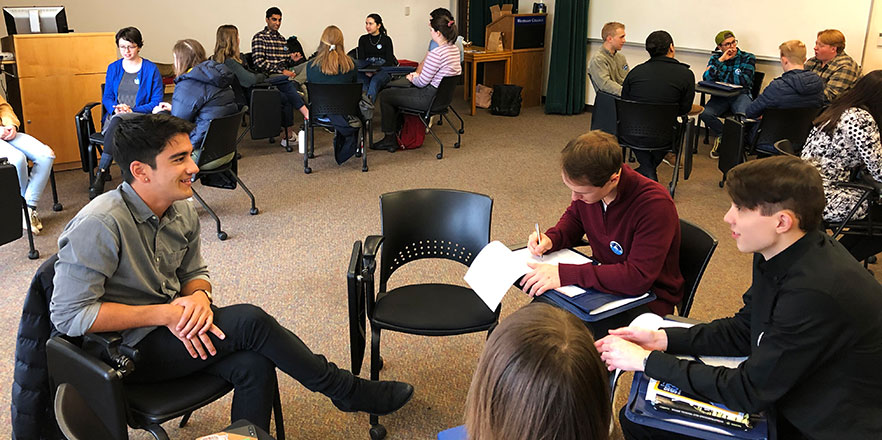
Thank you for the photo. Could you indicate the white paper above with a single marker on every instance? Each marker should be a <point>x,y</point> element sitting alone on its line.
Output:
<point>652,321</point>
<point>617,303</point>
<point>497,267</point>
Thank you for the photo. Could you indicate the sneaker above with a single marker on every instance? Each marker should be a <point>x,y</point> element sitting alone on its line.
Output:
<point>713,152</point>
<point>36,224</point>
<point>288,142</point>
<point>670,159</point>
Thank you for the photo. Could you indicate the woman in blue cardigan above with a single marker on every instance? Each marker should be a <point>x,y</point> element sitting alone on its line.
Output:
<point>132,85</point>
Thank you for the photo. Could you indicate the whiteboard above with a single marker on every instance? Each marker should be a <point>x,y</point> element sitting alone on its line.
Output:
<point>759,25</point>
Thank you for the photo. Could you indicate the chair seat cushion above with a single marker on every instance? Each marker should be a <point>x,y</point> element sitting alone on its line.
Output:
<point>153,402</point>
<point>433,309</point>
<point>96,138</point>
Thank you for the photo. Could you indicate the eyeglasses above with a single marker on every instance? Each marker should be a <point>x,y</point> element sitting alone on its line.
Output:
<point>732,43</point>
<point>127,48</point>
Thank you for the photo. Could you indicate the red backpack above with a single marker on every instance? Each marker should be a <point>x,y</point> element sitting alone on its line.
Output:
<point>412,133</point>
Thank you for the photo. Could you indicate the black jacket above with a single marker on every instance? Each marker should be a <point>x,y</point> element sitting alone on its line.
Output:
<point>661,80</point>
<point>795,88</point>
<point>32,414</point>
<point>202,94</point>
<point>811,327</point>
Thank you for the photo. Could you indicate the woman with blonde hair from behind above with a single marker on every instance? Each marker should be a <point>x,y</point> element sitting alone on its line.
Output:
<point>539,377</point>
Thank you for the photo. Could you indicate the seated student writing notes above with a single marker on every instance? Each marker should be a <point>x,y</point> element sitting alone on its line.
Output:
<point>539,373</point>
<point>810,325</point>
<point>631,224</point>
<point>130,261</point>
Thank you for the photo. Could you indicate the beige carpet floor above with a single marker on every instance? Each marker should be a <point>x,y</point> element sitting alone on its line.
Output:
<point>291,258</point>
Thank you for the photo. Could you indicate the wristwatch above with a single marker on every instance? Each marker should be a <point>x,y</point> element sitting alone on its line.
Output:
<point>211,301</point>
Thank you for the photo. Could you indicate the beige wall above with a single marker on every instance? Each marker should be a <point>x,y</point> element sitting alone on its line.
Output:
<point>162,22</point>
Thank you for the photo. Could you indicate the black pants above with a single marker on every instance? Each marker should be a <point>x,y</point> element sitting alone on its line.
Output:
<point>255,345</point>
<point>392,98</point>
<point>649,162</point>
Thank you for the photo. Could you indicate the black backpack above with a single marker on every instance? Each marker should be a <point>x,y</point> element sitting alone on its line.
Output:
<point>506,100</point>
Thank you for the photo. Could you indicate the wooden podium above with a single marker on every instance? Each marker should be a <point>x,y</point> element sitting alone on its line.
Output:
<point>524,36</point>
<point>53,76</point>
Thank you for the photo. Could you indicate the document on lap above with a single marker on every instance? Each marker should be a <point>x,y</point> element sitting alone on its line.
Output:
<point>497,267</point>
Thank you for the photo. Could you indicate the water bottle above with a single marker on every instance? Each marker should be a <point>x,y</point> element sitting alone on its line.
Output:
<point>301,142</point>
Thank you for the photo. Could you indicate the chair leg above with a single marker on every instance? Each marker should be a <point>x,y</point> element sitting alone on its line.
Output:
<point>55,205</point>
<point>185,419</point>
<point>33,254</point>
<point>377,430</point>
<point>254,209</point>
<point>277,415</point>
<point>310,135</point>
<point>461,122</point>
<point>458,135</point>
<point>156,431</point>
<point>365,129</point>
<point>438,140</point>
<point>673,186</point>
<point>220,234</point>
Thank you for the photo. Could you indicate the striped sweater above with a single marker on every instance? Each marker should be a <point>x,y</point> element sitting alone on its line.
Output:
<point>441,62</point>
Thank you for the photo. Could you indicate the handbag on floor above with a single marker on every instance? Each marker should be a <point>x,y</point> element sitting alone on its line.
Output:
<point>506,100</point>
<point>412,133</point>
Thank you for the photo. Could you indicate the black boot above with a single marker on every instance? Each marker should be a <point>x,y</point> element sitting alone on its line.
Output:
<point>375,397</point>
<point>97,186</point>
<point>386,143</point>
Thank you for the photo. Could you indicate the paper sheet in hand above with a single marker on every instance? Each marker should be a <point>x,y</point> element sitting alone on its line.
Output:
<point>497,267</point>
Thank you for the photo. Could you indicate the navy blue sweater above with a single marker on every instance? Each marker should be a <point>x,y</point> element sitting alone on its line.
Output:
<point>795,88</point>
<point>202,94</point>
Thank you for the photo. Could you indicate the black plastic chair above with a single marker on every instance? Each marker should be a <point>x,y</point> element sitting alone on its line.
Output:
<point>603,117</point>
<point>10,221</point>
<point>101,391</point>
<point>440,106</point>
<point>793,124</point>
<point>417,224</point>
<point>219,143</point>
<point>868,226</point>
<point>334,99</point>
<point>262,105</point>
<point>697,246</point>
<point>651,127</point>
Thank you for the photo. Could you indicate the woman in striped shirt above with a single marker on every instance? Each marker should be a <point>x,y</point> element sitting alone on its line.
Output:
<point>440,62</point>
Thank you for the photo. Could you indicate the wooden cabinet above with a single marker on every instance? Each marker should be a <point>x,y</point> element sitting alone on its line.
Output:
<point>524,35</point>
<point>54,75</point>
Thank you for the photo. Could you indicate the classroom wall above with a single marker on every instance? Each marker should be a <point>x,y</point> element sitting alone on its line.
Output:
<point>872,50</point>
<point>162,22</point>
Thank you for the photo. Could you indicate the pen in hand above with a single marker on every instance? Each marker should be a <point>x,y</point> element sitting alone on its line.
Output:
<point>538,239</point>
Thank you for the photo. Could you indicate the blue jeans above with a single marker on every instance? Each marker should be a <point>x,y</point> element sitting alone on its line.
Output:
<point>19,150</point>
<point>290,100</point>
<point>373,84</point>
<point>718,105</point>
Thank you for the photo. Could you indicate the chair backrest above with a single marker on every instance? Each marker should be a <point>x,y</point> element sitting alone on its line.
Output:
<point>220,138</point>
<point>444,95</point>
<point>334,99</point>
<point>793,124</point>
<point>696,248</point>
<point>266,117</point>
<point>646,125</point>
<point>603,117</point>
<point>98,383</point>
<point>757,85</point>
<point>785,147</point>
<point>11,200</point>
<point>432,223</point>
<point>74,416</point>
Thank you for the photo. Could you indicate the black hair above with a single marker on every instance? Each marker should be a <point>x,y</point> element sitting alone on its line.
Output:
<point>443,23</point>
<point>379,21</point>
<point>866,94</point>
<point>142,138</point>
<point>658,43</point>
<point>130,34</point>
<point>273,11</point>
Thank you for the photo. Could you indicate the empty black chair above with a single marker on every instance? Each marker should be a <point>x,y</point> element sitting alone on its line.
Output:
<point>697,246</point>
<point>334,99</point>
<point>218,157</point>
<point>90,141</point>
<point>418,224</point>
<point>440,105</point>
<point>262,104</point>
<point>603,117</point>
<point>14,207</point>
<point>651,127</point>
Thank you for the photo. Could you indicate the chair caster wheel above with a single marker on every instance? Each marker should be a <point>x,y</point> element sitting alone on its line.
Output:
<point>311,156</point>
<point>57,207</point>
<point>307,170</point>
<point>456,145</point>
<point>289,149</point>
<point>34,254</point>
<point>721,184</point>
<point>871,260</point>
<point>364,169</point>
<point>378,432</point>
<point>254,211</point>
<point>238,156</point>
<point>222,235</point>
<point>461,131</point>
<point>358,154</point>
<point>438,156</point>
<point>272,140</point>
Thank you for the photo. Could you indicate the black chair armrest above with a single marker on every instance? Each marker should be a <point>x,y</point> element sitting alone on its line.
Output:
<point>87,109</point>
<point>371,245</point>
<point>109,347</point>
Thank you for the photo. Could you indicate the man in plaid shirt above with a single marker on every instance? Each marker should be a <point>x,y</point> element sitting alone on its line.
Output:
<point>269,51</point>
<point>838,70</point>
<point>727,64</point>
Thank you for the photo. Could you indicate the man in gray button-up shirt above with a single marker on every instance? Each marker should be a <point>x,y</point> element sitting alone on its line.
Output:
<point>130,261</point>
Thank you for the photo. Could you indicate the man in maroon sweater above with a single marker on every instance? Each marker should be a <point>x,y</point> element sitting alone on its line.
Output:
<point>631,223</point>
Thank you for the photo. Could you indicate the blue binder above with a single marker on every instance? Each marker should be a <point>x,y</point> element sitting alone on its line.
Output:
<point>582,305</point>
<point>640,411</point>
